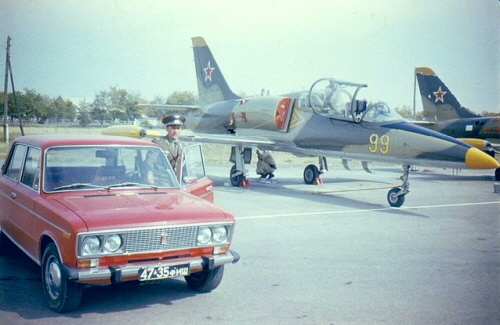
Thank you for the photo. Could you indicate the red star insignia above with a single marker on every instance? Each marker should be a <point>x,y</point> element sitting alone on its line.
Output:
<point>208,72</point>
<point>439,95</point>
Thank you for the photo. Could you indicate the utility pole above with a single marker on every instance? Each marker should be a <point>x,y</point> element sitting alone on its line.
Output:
<point>5,95</point>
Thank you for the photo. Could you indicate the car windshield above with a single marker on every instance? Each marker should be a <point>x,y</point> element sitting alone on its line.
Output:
<point>106,167</point>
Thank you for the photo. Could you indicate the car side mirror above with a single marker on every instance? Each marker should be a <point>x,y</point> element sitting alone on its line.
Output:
<point>189,180</point>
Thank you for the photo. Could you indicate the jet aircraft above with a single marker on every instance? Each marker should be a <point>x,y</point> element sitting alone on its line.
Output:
<point>444,113</point>
<point>328,120</point>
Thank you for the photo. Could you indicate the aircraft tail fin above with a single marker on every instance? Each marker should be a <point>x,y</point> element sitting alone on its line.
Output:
<point>438,101</point>
<point>212,87</point>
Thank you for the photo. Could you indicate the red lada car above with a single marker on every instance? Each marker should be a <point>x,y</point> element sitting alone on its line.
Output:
<point>106,209</point>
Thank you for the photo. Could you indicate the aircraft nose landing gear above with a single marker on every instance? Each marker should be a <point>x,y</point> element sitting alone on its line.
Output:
<point>396,195</point>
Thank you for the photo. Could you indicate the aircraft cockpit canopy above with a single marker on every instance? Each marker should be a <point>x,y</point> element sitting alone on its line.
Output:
<point>338,99</point>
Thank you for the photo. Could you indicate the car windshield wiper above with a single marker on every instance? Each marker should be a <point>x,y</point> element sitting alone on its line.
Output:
<point>131,184</point>
<point>75,185</point>
<point>122,184</point>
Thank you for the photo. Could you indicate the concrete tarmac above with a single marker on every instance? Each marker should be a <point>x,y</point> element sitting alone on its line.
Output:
<point>331,254</point>
<point>339,254</point>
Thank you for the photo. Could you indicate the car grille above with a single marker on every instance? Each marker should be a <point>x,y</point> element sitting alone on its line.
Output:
<point>151,240</point>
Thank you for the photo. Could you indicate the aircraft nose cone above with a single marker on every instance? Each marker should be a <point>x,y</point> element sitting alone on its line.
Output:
<point>476,159</point>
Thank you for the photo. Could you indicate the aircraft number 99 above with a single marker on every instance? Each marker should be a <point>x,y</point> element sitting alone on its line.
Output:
<point>379,143</point>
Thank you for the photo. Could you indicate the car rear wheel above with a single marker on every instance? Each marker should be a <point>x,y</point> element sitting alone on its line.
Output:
<point>61,294</point>
<point>207,280</point>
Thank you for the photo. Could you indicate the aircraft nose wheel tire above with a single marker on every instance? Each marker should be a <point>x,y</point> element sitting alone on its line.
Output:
<point>497,174</point>
<point>236,180</point>
<point>311,173</point>
<point>394,199</point>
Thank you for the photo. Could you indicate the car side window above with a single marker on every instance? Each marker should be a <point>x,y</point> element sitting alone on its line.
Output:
<point>193,164</point>
<point>16,162</point>
<point>31,170</point>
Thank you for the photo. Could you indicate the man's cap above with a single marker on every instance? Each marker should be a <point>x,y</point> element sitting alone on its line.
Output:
<point>173,120</point>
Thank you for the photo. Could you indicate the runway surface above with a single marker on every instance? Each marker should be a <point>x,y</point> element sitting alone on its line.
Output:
<point>339,254</point>
<point>331,254</point>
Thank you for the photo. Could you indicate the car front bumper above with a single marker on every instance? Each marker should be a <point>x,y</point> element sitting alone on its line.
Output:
<point>130,272</point>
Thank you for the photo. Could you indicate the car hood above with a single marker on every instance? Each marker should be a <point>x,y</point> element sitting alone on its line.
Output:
<point>132,209</point>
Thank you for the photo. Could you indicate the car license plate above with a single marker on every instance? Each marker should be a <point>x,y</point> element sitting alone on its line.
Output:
<point>163,272</point>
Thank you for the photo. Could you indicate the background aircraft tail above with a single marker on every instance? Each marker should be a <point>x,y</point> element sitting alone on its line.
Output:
<point>212,87</point>
<point>438,101</point>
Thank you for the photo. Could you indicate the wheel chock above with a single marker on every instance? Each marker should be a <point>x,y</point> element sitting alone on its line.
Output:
<point>245,183</point>
<point>318,181</point>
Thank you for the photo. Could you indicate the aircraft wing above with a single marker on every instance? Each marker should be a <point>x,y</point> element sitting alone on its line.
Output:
<point>249,141</point>
<point>482,144</point>
<point>422,123</point>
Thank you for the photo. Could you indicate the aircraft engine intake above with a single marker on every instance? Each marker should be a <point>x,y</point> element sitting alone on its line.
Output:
<point>259,113</point>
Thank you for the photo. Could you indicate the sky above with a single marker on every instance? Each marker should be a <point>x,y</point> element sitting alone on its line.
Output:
<point>76,48</point>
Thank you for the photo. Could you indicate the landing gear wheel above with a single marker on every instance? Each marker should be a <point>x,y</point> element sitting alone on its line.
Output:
<point>236,180</point>
<point>311,174</point>
<point>205,281</point>
<point>394,199</point>
<point>61,295</point>
<point>497,174</point>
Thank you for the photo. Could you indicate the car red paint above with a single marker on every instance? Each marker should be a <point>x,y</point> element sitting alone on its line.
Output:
<point>95,211</point>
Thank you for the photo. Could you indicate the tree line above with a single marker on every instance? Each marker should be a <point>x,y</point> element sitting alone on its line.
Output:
<point>108,106</point>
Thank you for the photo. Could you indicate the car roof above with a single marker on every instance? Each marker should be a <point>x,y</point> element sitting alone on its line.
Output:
<point>51,140</point>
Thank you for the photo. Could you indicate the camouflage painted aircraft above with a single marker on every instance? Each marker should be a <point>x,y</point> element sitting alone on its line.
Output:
<point>327,121</point>
<point>444,113</point>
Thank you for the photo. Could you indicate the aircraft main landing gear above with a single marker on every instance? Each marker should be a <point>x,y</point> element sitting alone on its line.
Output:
<point>312,173</point>
<point>239,156</point>
<point>236,176</point>
<point>396,195</point>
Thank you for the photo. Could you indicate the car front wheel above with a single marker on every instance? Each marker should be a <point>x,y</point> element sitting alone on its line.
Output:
<point>3,242</point>
<point>61,294</point>
<point>207,280</point>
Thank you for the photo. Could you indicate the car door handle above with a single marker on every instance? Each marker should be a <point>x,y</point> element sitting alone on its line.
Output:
<point>13,195</point>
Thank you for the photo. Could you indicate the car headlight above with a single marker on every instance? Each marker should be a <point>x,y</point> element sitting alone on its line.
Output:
<point>219,234</point>
<point>204,235</point>
<point>91,245</point>
<point>112,243</point>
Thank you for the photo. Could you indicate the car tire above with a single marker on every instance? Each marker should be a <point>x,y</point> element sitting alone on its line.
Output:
<point>61,295</point>
<point>205,281</point>
<point>3,242</point>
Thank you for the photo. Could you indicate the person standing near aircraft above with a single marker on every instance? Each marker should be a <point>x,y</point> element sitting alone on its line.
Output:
<point>170,143</point>
<point>265,165</point>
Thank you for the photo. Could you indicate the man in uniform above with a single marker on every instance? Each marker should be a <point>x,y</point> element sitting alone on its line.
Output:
<point>170,143</point>
<point>265,165</point>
